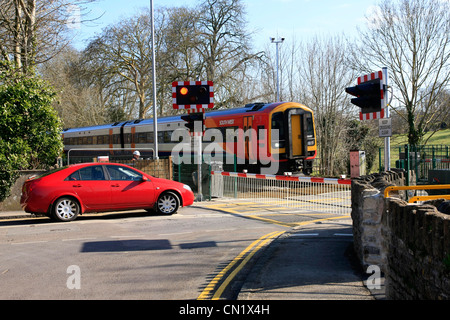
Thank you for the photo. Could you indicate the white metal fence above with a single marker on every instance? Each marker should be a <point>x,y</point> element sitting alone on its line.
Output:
<point>303,193</point>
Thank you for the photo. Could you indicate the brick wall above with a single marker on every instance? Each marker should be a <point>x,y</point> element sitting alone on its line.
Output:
<point>410,243</point>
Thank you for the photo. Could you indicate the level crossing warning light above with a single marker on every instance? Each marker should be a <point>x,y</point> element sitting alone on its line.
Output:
<point>184,91</point>
<point>193,94</point>
<point>369,92</point>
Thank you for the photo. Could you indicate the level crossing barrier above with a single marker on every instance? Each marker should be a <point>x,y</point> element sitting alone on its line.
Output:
<point>300,193</point>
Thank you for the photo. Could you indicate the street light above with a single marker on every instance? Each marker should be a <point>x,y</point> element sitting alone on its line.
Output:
<point>277,41</point>
<point>155,117</point>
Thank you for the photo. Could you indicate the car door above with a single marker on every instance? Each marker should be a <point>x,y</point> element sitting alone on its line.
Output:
<point>129,189</point>
<point>91,185</point>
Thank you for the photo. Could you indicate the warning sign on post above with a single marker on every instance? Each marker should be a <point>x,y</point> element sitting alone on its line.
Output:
<point>385,127</point>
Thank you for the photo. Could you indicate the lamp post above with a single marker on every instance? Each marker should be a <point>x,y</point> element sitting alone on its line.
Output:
<point>155,117</point>
<point>277,42</point>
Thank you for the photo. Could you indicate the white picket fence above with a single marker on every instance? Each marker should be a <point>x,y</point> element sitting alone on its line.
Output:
<point>302,193</point>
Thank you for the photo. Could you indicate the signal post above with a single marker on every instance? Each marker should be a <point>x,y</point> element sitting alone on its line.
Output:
<point>194,95</point>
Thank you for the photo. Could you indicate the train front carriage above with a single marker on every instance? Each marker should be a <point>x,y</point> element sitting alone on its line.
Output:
<point>297,139</point>
<point>266,134</point>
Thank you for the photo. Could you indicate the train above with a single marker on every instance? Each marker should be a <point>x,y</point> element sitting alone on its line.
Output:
<point>279,137</point>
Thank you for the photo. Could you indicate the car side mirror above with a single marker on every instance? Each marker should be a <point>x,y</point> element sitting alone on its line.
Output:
<point>144,179</point>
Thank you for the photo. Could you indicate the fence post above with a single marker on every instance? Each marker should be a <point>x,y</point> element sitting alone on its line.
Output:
<point>407,163</point>
<point>379,160</point>
<point>433,158</point>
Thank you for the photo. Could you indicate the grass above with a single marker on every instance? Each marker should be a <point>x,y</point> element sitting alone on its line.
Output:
<point>441,137</point>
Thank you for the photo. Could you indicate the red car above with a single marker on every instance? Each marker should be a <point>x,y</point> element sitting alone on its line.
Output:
<point>66,192</point>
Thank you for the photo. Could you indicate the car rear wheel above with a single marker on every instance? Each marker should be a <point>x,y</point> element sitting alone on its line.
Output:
<point>167,203</point>
<point>66,209</point>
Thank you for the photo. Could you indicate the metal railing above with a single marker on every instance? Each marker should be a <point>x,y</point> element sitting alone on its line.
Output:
<point>421,159</point>
<point>300,193</point>
<point>424,197</point>
<point>106,151</point>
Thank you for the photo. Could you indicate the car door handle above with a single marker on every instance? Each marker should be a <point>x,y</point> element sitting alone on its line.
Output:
<point>115,185</point>
<point>77,185</point>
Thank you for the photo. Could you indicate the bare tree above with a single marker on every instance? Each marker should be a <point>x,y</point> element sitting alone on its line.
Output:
<point>412,39</point>
<point>323,75</point>
<point>33,31</point>
<point>126,47</point>
<point>224,45</point>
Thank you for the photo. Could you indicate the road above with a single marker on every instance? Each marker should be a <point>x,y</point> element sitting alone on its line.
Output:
<point>203,252</point>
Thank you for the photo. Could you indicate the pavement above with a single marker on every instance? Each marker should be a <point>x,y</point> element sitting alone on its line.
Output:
<point>309,262</point>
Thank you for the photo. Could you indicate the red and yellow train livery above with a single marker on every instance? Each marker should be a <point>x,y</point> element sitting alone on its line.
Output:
<point>259,134</point>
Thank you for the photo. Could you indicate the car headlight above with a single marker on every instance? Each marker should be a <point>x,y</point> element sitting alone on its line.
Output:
<point>187,187</point>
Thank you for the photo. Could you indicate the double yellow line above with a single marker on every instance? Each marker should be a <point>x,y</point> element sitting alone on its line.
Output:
<point>237,264</point>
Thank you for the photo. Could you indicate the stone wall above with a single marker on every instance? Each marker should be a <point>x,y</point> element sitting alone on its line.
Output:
<point>12,203</point>
<point>418,251</point>
<point>410,243</point>
<point>367,212</point>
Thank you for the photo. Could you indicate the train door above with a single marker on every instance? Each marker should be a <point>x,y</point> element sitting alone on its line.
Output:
<point>296,137</point>
<point>296,133</point>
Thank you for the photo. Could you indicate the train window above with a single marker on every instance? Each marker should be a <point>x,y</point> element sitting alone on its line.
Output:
<point>278,123</point>
<point>309,126</point>
<point>160,136</point>
<point>116,138</point>
<point>168,136</point>
<point>141,137</point>
<point>150,137</point>
<point>127,138</point>
<point>100,140</point>
<point>89,140</point>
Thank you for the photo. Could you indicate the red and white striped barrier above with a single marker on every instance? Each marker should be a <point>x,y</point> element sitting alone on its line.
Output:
<point>283,178</point>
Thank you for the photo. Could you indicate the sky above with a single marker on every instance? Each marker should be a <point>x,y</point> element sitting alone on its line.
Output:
<point>290,19</point>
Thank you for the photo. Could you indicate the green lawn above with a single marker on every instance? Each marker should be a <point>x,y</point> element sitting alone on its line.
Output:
<point>441,137</point>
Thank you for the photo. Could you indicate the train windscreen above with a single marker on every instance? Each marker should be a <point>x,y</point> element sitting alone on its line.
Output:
<point>278,123</point>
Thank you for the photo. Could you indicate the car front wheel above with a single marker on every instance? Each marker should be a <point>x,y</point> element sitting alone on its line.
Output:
<point>66,209</point>
<point>167,203</point>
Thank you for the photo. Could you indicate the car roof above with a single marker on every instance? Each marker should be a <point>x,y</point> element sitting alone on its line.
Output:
<point>87,164</point>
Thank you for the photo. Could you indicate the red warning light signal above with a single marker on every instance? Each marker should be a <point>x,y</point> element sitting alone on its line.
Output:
<point>184,91</point>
